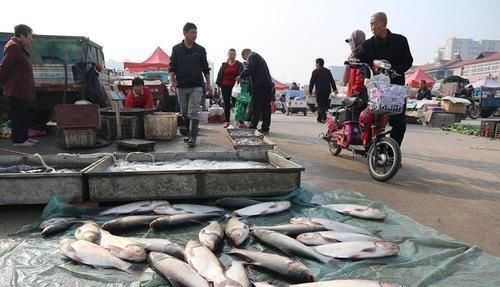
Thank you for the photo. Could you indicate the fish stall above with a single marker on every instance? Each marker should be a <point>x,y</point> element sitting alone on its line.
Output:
<point>52,175</point>
<point>142,176</point>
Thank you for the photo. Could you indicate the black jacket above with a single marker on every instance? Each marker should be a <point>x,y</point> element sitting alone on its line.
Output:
<point>424,94</point>
<point>394,48</point>
<point>220,74</point>
<point>188,65</point>
<point>259,72</point>
<point>323,80</point>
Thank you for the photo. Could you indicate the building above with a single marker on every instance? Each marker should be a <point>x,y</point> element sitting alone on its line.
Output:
<point>467,49</point>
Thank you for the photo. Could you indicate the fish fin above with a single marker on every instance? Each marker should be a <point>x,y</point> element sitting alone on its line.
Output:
<point>369,249</point>
<point>136,269</point>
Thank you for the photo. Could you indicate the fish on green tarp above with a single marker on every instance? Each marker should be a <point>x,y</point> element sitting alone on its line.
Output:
<point>123,247</point>
<point>290,269</point>
<point>177,272</point>
<point>236,230</point>
<point>54,225</point>
<point>347,283</point>
<point>357,210</point>
<point>290,229</point>
<point>134,207</point>
<point>236,202</point>
<point>176,219</point>
<point>288,245</point>
<point>211,235</point>
<point>238,273</point>
<point>330,225</point>
<point>263,208</point>
<point>127,223</point>
<point>172,209</point>
<point>92,254</point>
<point>358,249</point>
<point>89,231</point>
<point>327,237</point>
<point>160,245</point>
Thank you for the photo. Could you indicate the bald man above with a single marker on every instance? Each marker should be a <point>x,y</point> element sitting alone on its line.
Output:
<point>385,45</point>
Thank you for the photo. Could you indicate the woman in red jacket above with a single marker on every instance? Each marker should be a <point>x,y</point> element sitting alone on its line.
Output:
<point>226,79</point>
<point>139,96</point>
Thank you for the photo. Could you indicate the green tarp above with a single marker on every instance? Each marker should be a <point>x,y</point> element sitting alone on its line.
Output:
<point>427,258</point>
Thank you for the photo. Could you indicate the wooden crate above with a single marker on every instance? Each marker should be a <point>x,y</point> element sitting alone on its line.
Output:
<point>450,107</point>
<point>132,126</point>
<point>489,128</point>
<point>79,137</point>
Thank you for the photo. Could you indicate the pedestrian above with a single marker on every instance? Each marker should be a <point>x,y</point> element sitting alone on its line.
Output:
<point>423,91</point>
<point>242,101</point>
<point>385,45</point>
<point>226,79</point>
<point>139,96</point>
<point>356,75</point>
<point>16,78</point>
<point>188,64</point>
<point>322,79</point>
<point>261,88</point>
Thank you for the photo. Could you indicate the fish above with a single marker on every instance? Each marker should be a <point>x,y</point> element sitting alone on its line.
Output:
<point>262,284</point>
<point>134,207</point>
<point>347,283</point>
<point>129,222</point>
<point>358,249</point>
<point>176,219</point>
<point>89,231</point>
<point>54,225</point>
<point>211,235</point>
<point>357,210</point>
<point>92,254</point>
<point>263,208</point>
<point>236,231</point>
<point>330,225</point>
<point>236,202</point>
<point>177,272</point>
<point>123,247</point>
<point>237,273</point>
<point>207,265</point>
<point>160,245</point>
<point>288,245</point>
<point>326,237</point>
<point>171,209</point>
<point>291,229</point>
<point>290,269</point>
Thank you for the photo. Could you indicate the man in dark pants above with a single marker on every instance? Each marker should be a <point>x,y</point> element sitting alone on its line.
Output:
<point>188,64</point>
<point>261,87</point>
<point>16,77</point>
<point>385,45</point>
<point>322,79</point>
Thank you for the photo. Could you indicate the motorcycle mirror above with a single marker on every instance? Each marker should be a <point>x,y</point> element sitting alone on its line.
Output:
<point>382,64</point>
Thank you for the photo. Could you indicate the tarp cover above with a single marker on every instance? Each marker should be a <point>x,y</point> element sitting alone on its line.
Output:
<point>414,79</point>
<point>159,60</point>
<point>427,258</point>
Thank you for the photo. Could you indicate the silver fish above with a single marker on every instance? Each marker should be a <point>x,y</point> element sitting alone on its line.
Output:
<point>134,207</point>
<point>92,254</point>
<point>262,284</point>
<point>57,224</point>
<point>357,210</point>
<point>237,273</point>
<point>171,220</point>
<point>291,229</point>
<point>263,208</point>
<point>236,231</point>
<point>347,283</point>
<point>235,202</point>
<point>171,209</point>
<point>90,231</point>
<point>123,247</point>
<point>129,222</point>
<point>287,267</point>
<point>326,237</point>
<point>330,225</point>
<point>160,245</point>
<point>211,235</point>
<point>177,272</point>
<point>358,249</point>
<point>288,245</point>
<point>207,265</point>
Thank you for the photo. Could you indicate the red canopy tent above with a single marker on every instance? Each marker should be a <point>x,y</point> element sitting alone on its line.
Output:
<point>419,75</point>
<point>279,85</point>
<point>159,60</point>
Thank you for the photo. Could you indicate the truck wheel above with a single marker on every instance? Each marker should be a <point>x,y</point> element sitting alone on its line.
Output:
<point>486,113</point>
<point>305,112</point>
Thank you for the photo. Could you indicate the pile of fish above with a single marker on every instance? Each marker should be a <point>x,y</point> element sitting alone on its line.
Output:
<point>185,164</point>
<point>197,264</point>
<point>23,168</point>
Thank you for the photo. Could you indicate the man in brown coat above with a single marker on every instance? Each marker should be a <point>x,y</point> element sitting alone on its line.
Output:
<point>16,78</point>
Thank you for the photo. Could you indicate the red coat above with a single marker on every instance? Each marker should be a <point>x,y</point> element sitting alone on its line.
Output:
<point>145,101</point>
<point>16,72</point>
<point>356,81</point>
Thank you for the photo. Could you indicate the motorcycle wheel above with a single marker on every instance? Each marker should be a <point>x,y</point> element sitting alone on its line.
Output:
<point>384,159</point>
<point>475,112</point>
<point>334,147</point>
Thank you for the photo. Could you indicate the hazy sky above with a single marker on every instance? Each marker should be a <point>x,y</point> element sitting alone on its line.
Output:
<point>288,34</point>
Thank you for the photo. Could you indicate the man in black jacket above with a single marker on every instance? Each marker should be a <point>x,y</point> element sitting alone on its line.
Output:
<point>322,79</point>
<point>261,87</point>
<point>385,45</point>
<point>188,64</point>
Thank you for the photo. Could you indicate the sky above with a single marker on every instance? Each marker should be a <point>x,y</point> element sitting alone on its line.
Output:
<point>290,35</point>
